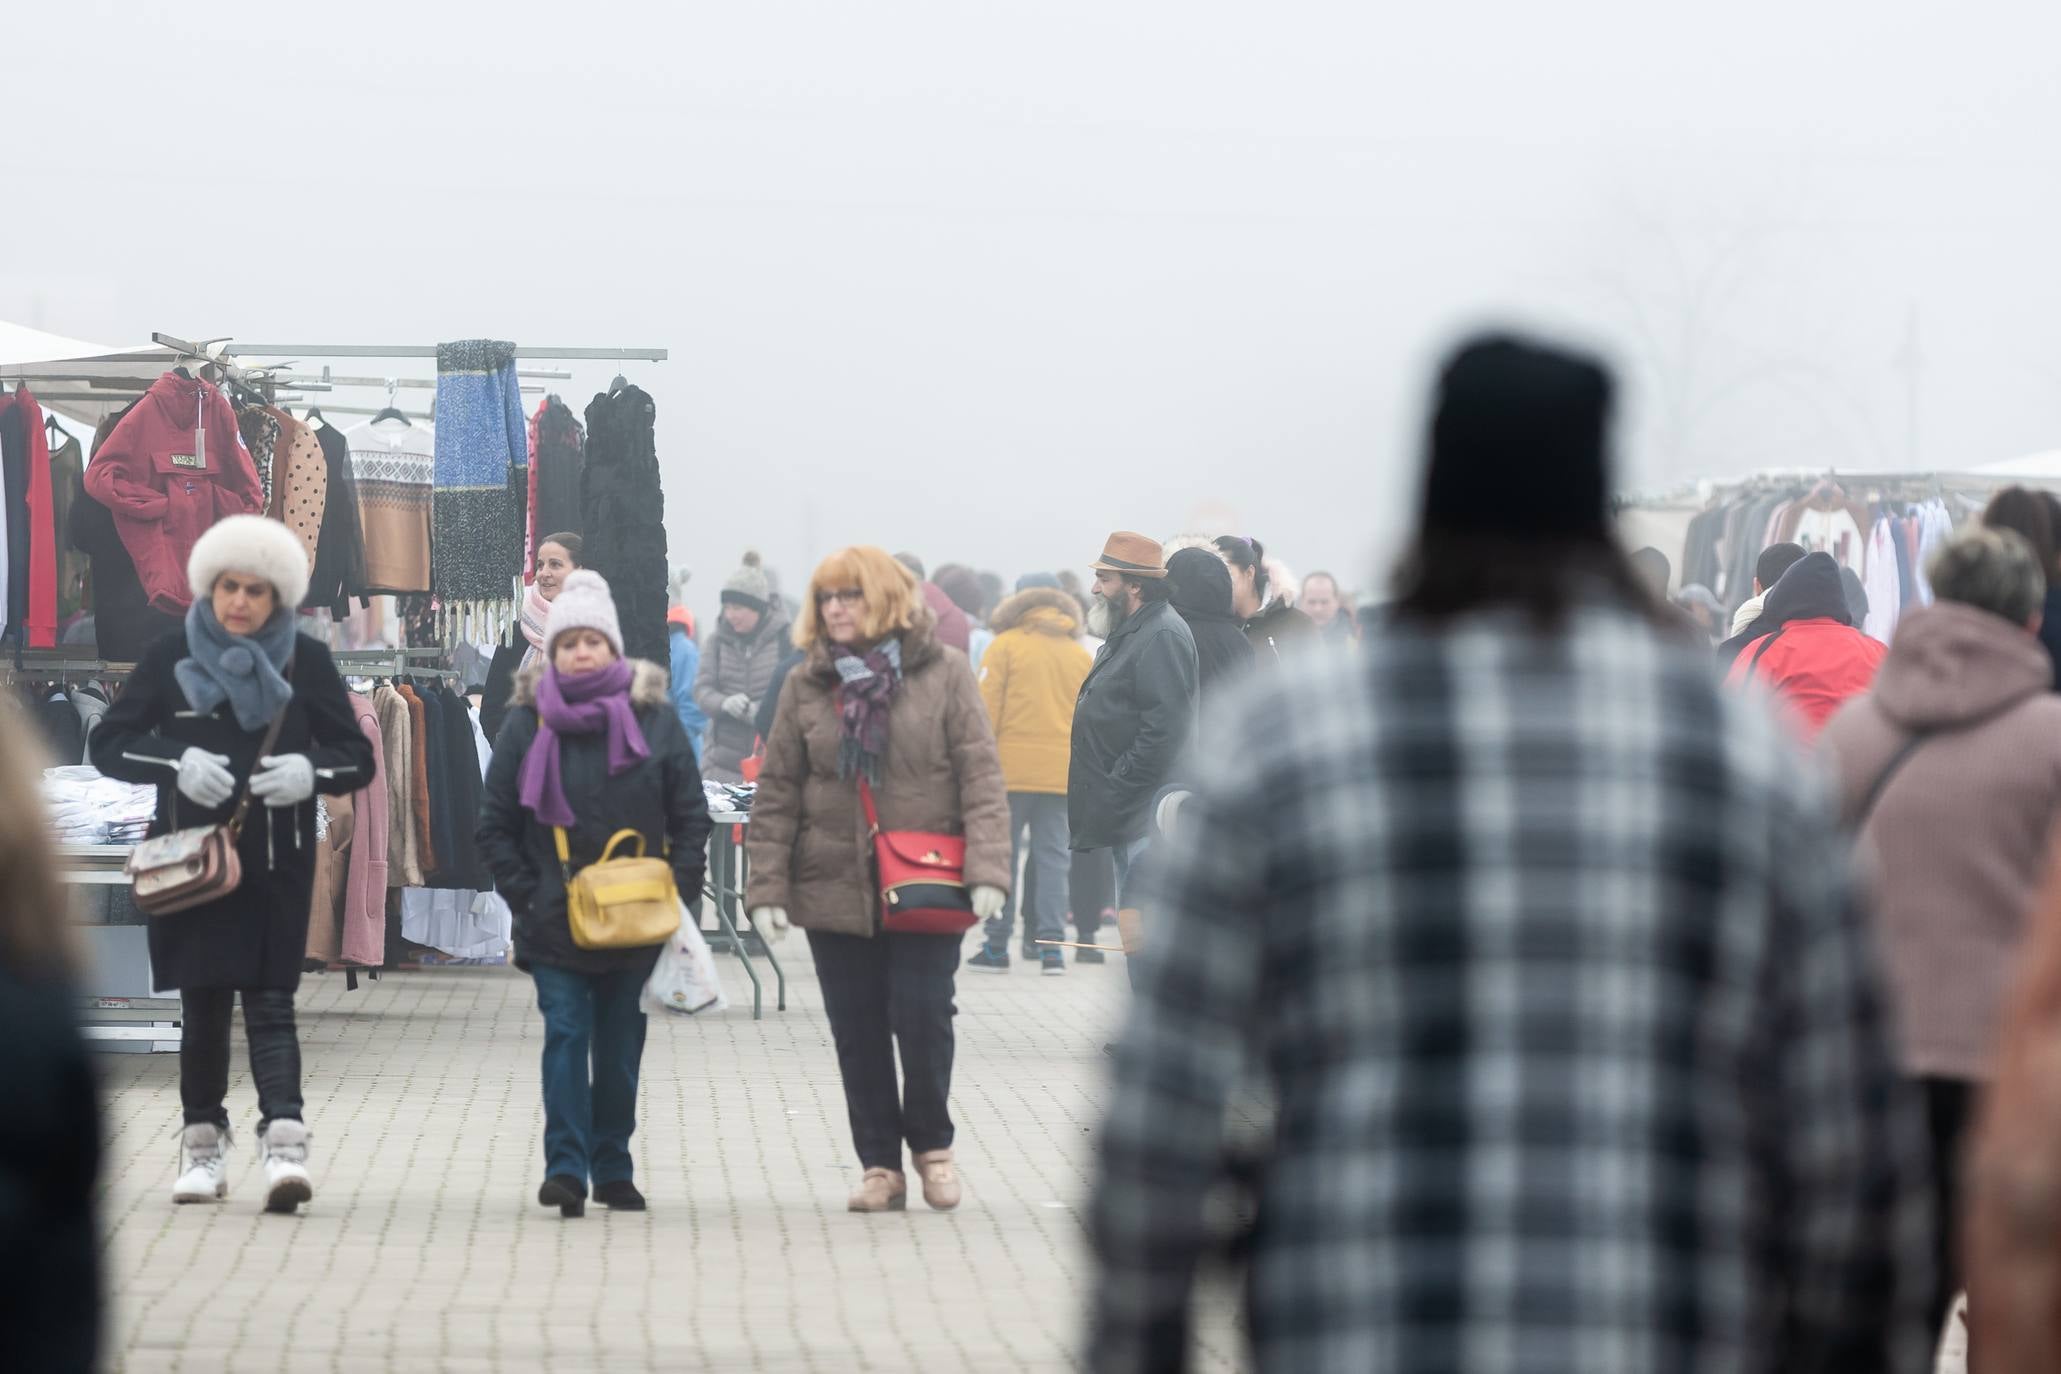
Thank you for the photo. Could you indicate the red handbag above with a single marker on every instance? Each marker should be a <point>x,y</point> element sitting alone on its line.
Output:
<point>922,877</point>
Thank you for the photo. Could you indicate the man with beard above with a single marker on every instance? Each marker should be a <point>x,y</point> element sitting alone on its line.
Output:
<point>1135,710</point>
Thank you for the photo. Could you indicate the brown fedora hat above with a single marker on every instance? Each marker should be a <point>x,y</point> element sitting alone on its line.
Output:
<point>1132,554</point>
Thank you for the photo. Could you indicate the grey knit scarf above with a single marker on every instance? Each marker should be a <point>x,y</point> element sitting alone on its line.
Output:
<point>248,673</point>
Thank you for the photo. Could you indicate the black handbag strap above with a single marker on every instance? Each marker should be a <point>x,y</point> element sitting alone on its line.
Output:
<point>1765,645</point>
<point>1889,770</point>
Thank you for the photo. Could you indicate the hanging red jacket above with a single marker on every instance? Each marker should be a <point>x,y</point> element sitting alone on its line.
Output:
<point>41,620</point>
<point>163,492</point>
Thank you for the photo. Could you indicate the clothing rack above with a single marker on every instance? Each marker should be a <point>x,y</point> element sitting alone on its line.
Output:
<point>36,665</point>
<point>390,663</point>
<point>635,355</point>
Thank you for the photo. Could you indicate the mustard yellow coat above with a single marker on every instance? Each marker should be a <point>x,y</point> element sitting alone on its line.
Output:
<point>1030,679</point>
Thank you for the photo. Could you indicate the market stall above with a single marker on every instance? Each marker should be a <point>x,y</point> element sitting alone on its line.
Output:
<point>420,528</point>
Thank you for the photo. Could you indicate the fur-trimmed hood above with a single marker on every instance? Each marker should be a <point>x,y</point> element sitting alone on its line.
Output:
<point>1045,610</point>
<point>650,685</point>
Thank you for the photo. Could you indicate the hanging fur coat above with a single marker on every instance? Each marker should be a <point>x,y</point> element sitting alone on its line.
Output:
<point>623,507</point>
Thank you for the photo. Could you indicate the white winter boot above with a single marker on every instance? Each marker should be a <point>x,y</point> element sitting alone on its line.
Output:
<point>286,1166</point>
<point>204,1160</point>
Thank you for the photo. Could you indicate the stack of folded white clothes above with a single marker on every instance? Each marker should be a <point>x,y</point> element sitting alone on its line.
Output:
<point>87,808</point>
<point>729,796</point>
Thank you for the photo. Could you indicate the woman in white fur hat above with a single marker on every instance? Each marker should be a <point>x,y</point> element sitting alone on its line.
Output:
<point>192,719</point>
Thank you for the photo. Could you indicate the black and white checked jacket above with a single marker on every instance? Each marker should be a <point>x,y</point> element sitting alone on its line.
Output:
<point>1548,948</point>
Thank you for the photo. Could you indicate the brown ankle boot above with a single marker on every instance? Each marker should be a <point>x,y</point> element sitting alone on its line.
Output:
<point>881,1190</point>
<point>940,1179</point>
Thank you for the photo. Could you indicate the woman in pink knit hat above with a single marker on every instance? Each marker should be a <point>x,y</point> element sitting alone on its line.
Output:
<point>591,747</point>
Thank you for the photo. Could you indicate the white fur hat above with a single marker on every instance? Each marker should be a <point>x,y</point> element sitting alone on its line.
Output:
<point>584,603</point>
<point>252,544</point>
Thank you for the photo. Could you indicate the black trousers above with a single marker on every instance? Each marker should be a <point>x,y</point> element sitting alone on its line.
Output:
<point>880,993</point>
<point>275,1054</point>
<point>1092,891</point>
<point>1950,1106</point>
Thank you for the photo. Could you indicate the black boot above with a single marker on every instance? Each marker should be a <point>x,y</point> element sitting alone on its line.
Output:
<point>620,1196</point>
<point>567,1194</point>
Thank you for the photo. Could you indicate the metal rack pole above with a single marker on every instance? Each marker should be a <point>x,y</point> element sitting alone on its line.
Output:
<point>269,350</point>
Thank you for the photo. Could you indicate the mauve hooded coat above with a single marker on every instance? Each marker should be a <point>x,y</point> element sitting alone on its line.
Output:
<point>1960,836</point>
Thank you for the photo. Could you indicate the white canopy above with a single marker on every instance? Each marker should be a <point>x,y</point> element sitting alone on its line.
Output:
<point>81,381</point>
<point>2033,467</point>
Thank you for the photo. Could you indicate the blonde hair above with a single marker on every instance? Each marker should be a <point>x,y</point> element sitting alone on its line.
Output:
<point>34,938</point>
<point>893,601</point>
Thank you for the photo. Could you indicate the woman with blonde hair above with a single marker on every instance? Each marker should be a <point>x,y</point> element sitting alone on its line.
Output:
<point>878,699</point>
<point>50,1151</point>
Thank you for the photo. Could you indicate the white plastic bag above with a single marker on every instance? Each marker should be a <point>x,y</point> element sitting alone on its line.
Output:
<point>684,982</point>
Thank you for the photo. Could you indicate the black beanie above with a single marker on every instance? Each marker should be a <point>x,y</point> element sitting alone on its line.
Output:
<point>1517,444</point>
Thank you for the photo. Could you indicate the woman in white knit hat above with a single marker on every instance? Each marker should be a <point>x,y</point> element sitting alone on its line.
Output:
<point>193,719</point>
<point>592,746</point>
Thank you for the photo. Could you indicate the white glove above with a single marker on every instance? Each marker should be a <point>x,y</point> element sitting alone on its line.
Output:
<point>737,704</point>
<point>205,778</point>
<point>1170,810</point>
<point>770,922</point>
<point>283,780</point>
<point>987,901</point>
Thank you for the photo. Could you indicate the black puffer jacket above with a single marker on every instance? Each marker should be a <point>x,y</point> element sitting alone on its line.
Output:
<point>257,936</point>
<point>1135,714</point>
<point>660,797</point>
<point>1202,594</point>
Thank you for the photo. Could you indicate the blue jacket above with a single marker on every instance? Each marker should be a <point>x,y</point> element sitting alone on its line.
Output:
<point>686,664</point>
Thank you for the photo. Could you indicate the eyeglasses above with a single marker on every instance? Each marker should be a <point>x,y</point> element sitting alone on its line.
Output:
<point>849,596</point>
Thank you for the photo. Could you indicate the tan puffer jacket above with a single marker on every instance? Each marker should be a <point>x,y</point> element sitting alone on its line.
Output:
<point>809,849</point>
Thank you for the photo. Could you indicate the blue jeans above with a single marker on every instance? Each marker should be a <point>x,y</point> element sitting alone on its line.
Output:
<point>590,1113</point>
<point>1043,817</point>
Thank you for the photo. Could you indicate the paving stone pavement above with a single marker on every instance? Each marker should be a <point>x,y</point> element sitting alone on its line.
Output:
<point>425,1250</point>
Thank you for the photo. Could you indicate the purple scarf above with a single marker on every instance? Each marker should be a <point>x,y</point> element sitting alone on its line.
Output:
<point>578,706</point>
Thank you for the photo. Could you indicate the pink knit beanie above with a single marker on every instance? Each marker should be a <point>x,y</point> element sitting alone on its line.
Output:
<point>584,603</point>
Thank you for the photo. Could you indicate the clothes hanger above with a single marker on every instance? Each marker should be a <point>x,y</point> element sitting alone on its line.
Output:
<point>615,388</point>
<point>391,411</point>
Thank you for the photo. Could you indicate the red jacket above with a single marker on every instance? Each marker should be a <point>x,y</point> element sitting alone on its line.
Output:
<point>163,495</point>
<point>1814,665</point>
<point>954,630</point>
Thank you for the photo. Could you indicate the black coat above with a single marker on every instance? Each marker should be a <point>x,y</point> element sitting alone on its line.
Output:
<point>1201,586</point>
<point>1130,725</point>
<point>459,782</point>
<point>50,1157</point>
<point>339,571</point>
<point>660,797</point>
<point>257,936</point>
<point>496,698</point>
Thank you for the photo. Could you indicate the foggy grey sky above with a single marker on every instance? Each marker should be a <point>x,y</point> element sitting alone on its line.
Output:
<point>989,280</point>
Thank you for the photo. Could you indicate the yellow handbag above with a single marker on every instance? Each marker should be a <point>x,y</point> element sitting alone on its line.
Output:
<point>619,903</point>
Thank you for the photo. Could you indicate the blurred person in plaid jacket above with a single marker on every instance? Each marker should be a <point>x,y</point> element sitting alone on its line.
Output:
<point>1548,951</point>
